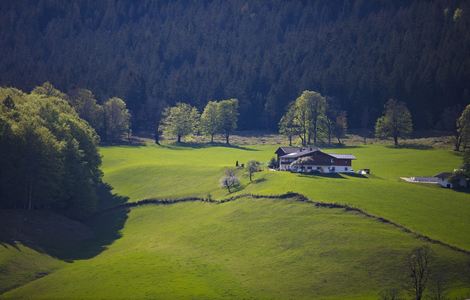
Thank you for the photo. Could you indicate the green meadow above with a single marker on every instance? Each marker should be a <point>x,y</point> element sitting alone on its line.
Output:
<point>169,172</point>
<point>263,248</point>
<point>267,249</point>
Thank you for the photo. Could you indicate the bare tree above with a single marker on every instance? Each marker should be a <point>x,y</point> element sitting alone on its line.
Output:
<point>390,294</point>
<point>419,270</point>
<point>229,180</point>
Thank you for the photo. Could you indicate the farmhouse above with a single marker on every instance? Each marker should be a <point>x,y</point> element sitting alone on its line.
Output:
<point>313,159</point>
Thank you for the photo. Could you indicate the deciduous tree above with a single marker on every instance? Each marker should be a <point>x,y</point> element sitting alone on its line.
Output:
<point>116,119</point>
<point>252,167</point>
<point>288,125</point>
<point>419,263</point>
<point>87,108</point>
<point>180,120</point>
<point>396,121</point>
<point>463,127</point>
<point>210,122</point>
<point>227,112</point>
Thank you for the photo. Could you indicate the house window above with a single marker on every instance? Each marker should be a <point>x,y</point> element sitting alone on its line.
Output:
<point>345,168</point>
<point>309,168</point>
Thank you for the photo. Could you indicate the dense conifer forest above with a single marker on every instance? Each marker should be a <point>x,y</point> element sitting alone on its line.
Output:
<point>264,53</point>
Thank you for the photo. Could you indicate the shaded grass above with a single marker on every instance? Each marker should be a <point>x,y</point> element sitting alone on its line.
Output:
<point>244,249</point>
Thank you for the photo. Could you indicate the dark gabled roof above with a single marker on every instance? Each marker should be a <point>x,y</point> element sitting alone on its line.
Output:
<point>443,175</point>
<point>310,150</point>
<point>287,150</point>
<point>303,152</point>
<point>342,156</point>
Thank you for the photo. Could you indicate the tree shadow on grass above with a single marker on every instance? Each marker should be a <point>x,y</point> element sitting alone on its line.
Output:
<point>414,146</point>
<point>58,236</point>
<point>133,141</point>
<point>340,146</point>
<point>183,146</point>
<point>355,175</point>
<point>322,175</point>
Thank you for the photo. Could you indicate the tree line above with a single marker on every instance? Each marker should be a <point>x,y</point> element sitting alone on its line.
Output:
<point>48,141</point>
<point>154,54</point>
<point>218,117</point>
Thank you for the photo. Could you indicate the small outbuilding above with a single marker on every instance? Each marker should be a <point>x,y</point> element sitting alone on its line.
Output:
<point>444,180</point>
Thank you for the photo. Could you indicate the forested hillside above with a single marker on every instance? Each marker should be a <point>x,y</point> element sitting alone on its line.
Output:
<point>264,53</point>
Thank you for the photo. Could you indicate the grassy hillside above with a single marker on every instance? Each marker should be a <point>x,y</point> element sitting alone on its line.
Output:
<point>172,171</point>
<point>20,264</point>
<point>242,249</point>
<point>253,248</point>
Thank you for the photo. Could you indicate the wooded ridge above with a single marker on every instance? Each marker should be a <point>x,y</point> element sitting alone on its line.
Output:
<point>157,53</point>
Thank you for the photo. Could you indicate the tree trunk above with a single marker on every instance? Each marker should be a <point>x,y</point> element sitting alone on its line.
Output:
<point>157,138</point>
<point>395,140</point>
<point>458,141</point>
<point>251,174</point>
<point>228,188</point>
<point>212,138</point>
<point>329,135</point>
<point>290,140</point>
<point>179,138</point>
<point>315,132</point>
<point>227,136</point>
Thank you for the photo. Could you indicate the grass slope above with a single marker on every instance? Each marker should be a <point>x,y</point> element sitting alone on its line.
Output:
<point>271,249</point>
<point>176,171</point>
<point>20,264</point>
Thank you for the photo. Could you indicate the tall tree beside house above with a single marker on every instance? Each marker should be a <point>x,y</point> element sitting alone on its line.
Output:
<point>317,109</point>
<point>395,122</point>
<point>334,121</point>
<point>305,117</point>
<point>288,125</point>
<point>116,119</point>
<point>311,108</point>
<point>227,112</point>
<point>463,127</point>
<point>210,122</point>
<point>341,126</point>
<point>180,120</point>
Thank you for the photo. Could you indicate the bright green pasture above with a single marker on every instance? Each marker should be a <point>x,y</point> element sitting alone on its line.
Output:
<point>245,249</point>
<point>172,171</point>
